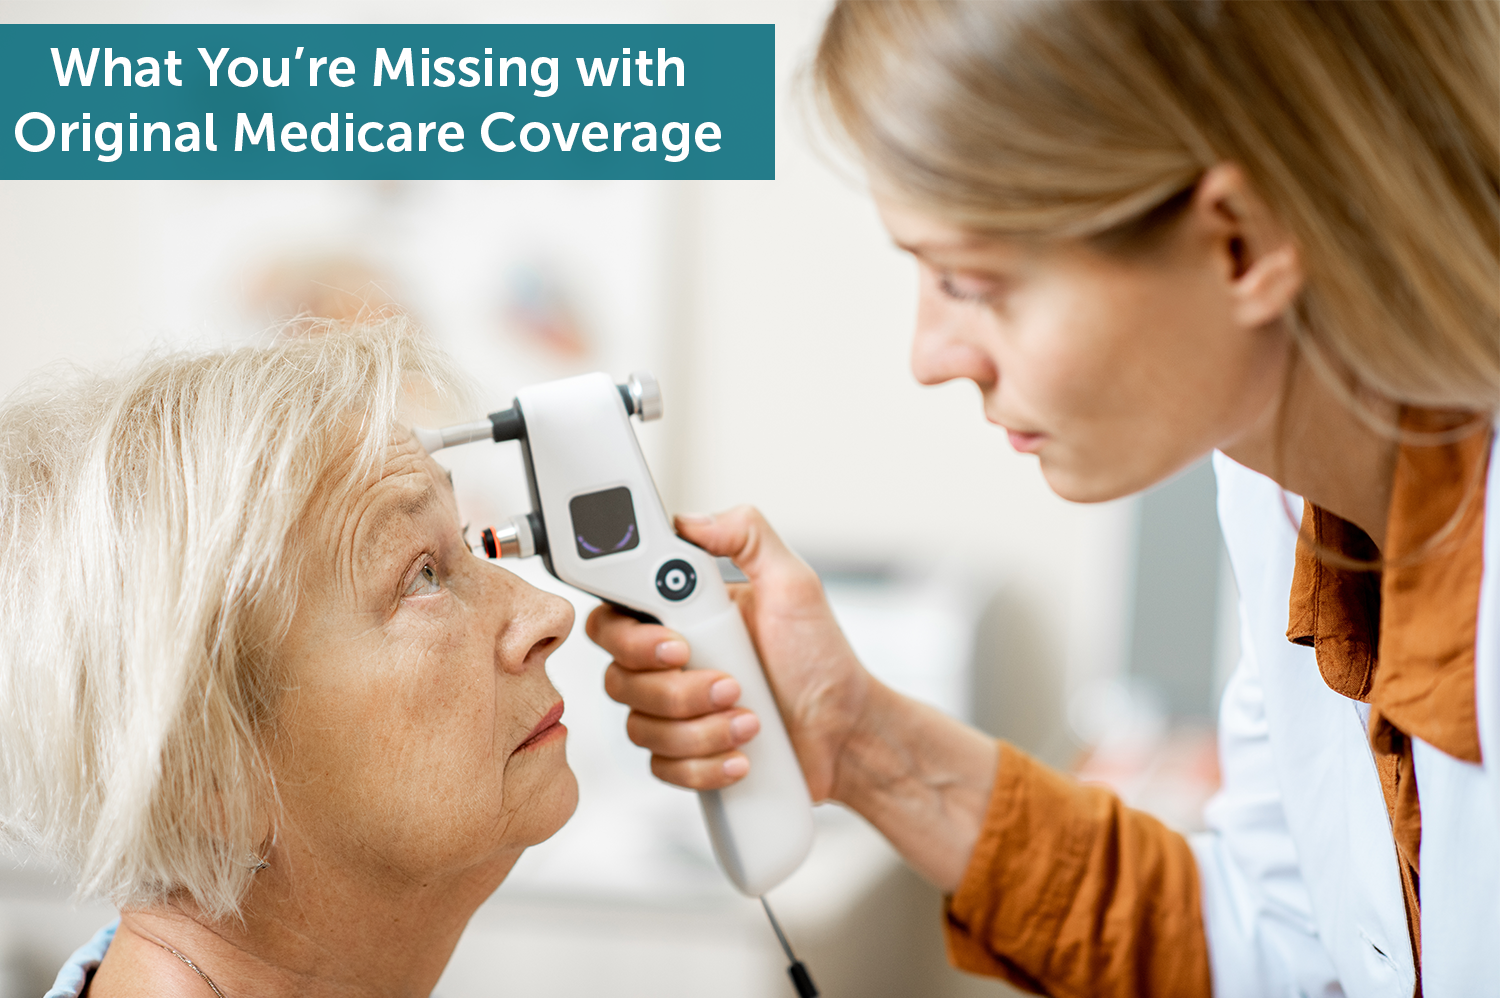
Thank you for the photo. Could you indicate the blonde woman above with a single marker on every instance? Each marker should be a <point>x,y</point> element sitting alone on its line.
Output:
<point>1148,231</point>
<point>258,693</point>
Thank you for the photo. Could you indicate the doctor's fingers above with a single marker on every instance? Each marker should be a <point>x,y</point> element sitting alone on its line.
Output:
<point>633,644</point>
<point>713,773</point>
<point>696,739</point>
<point>673,694</point>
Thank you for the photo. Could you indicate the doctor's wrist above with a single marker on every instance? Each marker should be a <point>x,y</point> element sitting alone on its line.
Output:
<point>922,778</point>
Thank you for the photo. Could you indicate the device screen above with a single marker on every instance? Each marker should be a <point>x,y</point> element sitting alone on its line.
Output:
<point>604,522</point>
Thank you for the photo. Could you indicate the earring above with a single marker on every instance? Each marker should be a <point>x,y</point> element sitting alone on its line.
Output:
<point>259,862</point>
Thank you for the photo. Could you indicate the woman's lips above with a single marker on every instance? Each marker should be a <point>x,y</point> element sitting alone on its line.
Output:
<point>545,729</point>
<point>1026,443</point>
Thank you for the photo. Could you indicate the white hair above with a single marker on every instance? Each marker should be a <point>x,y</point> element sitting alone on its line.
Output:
<point>147,570</point>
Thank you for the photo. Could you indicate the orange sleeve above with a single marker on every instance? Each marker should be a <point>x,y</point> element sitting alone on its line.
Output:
<point>1071,893</point>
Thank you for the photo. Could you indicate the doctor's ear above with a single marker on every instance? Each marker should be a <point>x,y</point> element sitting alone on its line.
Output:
<point>1260,261</point>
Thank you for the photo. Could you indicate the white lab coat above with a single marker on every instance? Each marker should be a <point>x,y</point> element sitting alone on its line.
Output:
<point>1300,888</point>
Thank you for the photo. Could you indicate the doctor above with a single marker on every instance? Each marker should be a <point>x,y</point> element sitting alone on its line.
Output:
<point>1148,231</point>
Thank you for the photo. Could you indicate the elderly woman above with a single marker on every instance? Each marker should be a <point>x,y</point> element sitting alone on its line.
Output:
<point>259,693</point>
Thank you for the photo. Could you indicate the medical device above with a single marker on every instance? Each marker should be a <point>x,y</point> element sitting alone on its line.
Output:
<point>598,524</point>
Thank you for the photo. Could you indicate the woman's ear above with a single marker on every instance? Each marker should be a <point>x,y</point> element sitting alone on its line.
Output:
<point>1258,255</point>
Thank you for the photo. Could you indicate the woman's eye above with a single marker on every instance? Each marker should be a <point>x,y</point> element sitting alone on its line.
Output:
<point>424,583</point>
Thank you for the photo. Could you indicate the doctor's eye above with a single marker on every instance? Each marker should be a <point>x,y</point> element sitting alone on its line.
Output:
<point>424,583</point>
<point>960,289</point>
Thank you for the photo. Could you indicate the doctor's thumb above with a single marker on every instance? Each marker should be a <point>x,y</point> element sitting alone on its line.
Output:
<point>742,535</point>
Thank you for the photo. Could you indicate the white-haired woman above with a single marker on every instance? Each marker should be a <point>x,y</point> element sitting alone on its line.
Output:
<point>258,692</point>
<point>1148,231</point>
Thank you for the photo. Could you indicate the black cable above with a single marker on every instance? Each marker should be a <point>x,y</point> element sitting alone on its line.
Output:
<point>801,979</point>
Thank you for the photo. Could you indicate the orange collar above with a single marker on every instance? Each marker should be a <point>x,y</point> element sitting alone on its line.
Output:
<point>1402,638</point>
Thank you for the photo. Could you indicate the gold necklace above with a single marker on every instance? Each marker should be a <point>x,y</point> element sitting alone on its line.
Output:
<point>194,968</point>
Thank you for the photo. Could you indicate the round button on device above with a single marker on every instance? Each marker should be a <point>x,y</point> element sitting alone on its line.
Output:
<point>676,580</point>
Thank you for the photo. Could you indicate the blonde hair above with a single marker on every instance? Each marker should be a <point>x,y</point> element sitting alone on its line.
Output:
<point>1372,130</point>
<point>146,574</point>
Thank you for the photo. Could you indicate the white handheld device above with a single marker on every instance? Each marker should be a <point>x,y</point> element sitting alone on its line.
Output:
<point>599,525</point>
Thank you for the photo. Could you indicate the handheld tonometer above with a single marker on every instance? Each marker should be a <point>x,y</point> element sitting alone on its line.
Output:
<point>599,525</point>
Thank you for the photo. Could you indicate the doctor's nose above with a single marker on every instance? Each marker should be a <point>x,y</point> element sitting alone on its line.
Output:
<point>944,346</point>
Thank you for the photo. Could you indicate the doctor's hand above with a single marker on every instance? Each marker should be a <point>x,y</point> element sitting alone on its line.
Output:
<point>687,718</point>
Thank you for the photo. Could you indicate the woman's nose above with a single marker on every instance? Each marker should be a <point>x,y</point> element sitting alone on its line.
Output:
<point>945,345</point>
<point>538,624</point>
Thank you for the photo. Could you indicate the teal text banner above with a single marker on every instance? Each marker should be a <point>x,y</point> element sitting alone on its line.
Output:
<point>388,101</point>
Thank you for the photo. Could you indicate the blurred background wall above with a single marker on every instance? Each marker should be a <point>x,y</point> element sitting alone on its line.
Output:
<point>777,315</point>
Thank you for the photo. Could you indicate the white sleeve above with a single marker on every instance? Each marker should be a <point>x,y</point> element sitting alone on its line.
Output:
<point>1257,913</point>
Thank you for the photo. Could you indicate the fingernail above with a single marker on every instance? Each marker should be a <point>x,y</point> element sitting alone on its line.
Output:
<point>724,693</point>
<point>736,767</point>
<point>672,652</point>
<point>695,517</point>
<point>744,727</point>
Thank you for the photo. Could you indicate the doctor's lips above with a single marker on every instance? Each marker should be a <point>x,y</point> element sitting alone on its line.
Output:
<point>1025,443</point>
<point>1022,441</point>
<point>549,726</point>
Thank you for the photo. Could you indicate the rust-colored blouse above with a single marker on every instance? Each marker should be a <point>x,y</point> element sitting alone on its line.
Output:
<point>1069,892</point>
<point>1401,639</point>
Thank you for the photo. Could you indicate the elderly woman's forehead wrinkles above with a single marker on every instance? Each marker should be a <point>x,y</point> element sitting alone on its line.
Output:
<point>377,518</point>
<point>392,492</point>
<point>407,507</point>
